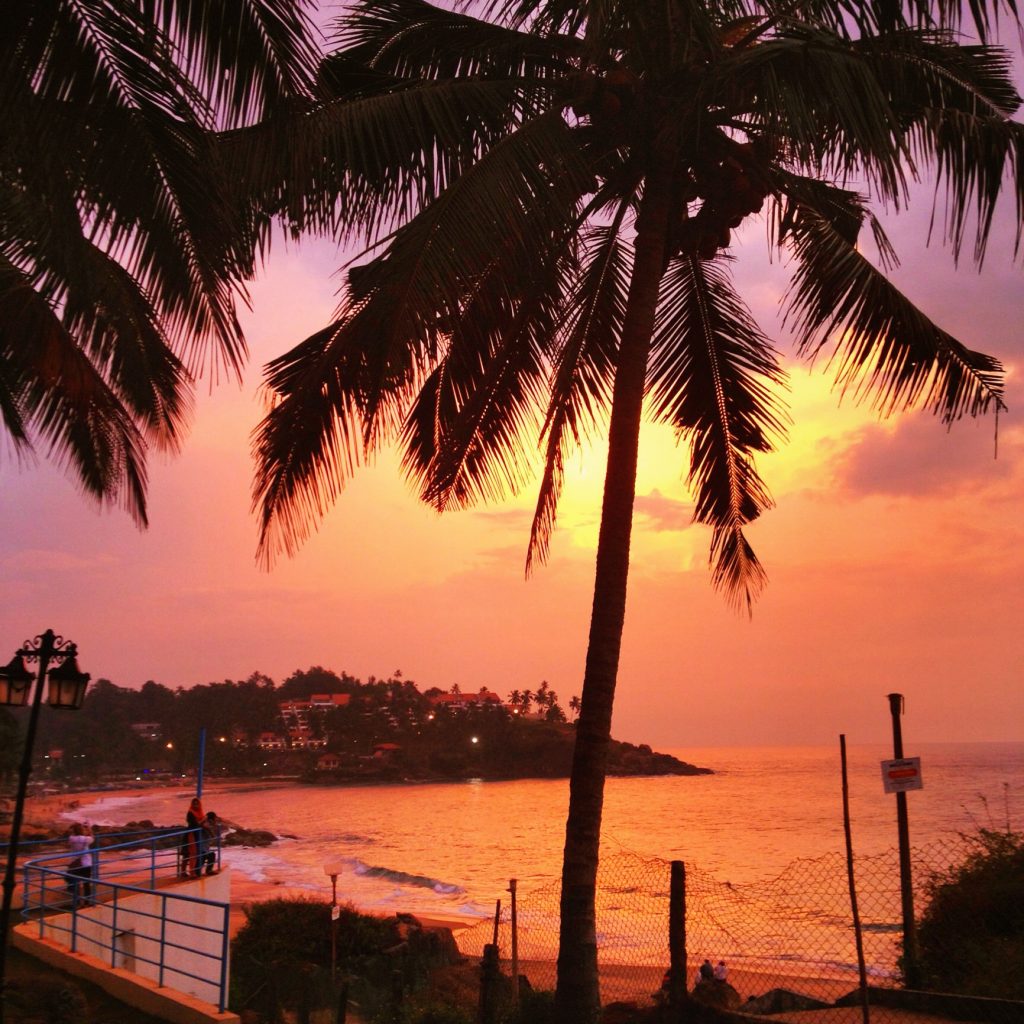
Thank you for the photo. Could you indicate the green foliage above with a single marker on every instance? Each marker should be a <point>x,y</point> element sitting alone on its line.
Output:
<point>281,958</point>
<point>534,1008</point>
<point>435,1014</point>
<point>65,1003</point>
<point>971,935</point>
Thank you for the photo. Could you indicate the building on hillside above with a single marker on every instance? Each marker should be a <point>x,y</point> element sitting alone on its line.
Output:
<point>271,741</point>
<point>147,730</point>
<point>326,701</point>
<point>301,738</point>
<point>465,701</point>
<point>297,712</point>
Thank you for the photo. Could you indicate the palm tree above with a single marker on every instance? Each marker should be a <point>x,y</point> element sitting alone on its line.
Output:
<point>574,706</point>
<point>548,193</point>
<point>122,255</point>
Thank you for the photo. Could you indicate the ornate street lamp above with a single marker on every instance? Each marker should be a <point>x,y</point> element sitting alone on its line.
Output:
<point>67,691</point>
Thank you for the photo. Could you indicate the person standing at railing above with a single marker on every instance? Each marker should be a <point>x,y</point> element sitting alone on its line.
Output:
<point>195,819</point>
<point>80,865</point>
<point>211,839</point>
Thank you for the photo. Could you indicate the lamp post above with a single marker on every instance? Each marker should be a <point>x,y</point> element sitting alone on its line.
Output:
<point>333,870</point>
<point>67,691</point>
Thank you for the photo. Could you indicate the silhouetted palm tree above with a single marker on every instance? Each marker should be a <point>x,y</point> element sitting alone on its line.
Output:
<point>549,194</point>
<point>121,256</point>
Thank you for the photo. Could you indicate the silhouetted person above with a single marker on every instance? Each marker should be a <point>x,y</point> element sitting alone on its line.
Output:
<point>80,866</point>
<point>211,832</point>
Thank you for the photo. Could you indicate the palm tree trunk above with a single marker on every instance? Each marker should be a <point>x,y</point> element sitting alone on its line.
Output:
<point>577,999</point>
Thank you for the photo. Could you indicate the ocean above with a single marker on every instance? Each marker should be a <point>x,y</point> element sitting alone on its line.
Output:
<point>450,849</point>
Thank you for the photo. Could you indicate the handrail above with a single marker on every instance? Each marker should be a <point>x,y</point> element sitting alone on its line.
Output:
<point>120,871</point>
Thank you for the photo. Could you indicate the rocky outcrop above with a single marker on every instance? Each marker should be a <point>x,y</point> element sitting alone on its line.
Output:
<point>782,1000</point>
<point>719,994</point>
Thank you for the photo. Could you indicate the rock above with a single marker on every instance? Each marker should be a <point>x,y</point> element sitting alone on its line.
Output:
<point>620,1013</point>
<point>719,994</point>
<point>782,1000</point>
<point>249,837</point>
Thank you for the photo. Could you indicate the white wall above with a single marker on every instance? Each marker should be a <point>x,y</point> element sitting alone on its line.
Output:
<point>137,930</point>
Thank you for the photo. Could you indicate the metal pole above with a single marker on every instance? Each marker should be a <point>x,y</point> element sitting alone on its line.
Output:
<point>202,760</point>
<point>45,652</point>
<point>910,964</point>
<point>515,944</point>
<point>857,933</point>
<point>334,926</point>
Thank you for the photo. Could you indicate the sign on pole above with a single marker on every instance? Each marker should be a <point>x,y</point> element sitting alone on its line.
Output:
<point>902,774</point>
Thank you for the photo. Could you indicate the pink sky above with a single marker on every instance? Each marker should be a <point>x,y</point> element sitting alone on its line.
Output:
<point>895,556</point>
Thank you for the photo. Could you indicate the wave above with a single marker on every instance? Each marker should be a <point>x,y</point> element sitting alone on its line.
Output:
<point>404,878</point>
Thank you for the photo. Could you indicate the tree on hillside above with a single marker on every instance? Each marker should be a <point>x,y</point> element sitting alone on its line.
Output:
<point>121,255</point>
<point>574,706</point>
<point>548,193</point>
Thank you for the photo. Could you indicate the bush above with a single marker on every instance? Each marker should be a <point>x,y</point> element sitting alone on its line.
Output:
<point>281,958</point>
<point>971,935</point>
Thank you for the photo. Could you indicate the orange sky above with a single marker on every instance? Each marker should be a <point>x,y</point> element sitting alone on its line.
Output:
<point>895,557</point>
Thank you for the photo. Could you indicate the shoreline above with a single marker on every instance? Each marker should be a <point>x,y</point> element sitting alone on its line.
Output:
<point>619,982</point>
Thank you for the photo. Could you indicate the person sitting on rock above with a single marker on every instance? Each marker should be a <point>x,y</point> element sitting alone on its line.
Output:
<point>707,972</point>
<point>721,971</point>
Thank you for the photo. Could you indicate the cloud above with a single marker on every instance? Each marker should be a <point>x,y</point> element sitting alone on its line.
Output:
<point>922,457</point>
<point>44,561</point>
<point>663,514</point>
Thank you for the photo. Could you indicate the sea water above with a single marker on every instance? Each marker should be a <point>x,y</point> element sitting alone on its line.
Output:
<point>450,848</point>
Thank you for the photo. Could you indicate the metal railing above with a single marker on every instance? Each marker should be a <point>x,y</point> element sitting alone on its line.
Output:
<point>121,912</point>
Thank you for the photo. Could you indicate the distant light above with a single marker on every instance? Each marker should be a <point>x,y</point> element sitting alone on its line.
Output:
<point>138,778</point>
<point>169,745</point>
<point>474,739</point>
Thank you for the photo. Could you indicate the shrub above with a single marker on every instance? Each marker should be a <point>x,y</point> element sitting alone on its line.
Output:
<point>971,935</point>
<point>281,957</point>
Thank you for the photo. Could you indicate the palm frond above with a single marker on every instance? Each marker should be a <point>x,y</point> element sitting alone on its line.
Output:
<point>246,55</point>
<point>467,437</point>
<point>51,391</point>
<point>312,439</point>
<point>412,39</point>
<point>885,349</point>
<point>711,375</point>
<point>584,370</point>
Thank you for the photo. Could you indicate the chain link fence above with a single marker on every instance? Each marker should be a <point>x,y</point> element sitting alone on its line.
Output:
<point>787,943</point>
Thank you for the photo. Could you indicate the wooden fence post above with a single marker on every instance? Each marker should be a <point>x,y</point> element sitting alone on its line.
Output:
<point>490,977</point>
<point>677,991</point>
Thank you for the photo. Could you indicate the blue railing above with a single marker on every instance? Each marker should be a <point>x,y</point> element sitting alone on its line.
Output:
<point>106,913</point>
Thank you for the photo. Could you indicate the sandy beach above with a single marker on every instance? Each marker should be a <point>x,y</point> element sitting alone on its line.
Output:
<point>44,813</point>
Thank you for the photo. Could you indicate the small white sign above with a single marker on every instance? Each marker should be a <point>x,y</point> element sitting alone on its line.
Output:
<point>902,774</point>
<point>335,913</point>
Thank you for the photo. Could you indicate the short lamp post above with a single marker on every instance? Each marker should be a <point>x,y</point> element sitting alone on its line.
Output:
<point>66,690</point>
<point>333,870</point>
